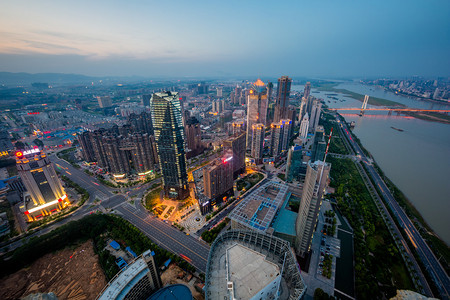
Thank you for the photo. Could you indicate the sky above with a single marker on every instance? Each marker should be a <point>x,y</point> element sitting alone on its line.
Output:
<point>227,38</point>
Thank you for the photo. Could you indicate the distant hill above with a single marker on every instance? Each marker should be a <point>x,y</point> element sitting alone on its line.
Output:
<point>9,78</point>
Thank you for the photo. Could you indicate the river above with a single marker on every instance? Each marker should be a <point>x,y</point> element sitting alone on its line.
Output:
<point>417,160</point>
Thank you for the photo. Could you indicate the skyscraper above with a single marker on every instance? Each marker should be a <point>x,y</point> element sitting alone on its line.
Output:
<point>304,125</point>
<point>218,177</point>
<point>307,90</point>
<point>193,137</point>
<point>256,107</point>
<point>46,194</point>
<point>169,137</point>
<point>236,145</point>
<point>141,123</point>
<point>258,133</point>
<point>282,102</point>
<point>315,115</point>
<point>313,189</point>
<point>280,133</point>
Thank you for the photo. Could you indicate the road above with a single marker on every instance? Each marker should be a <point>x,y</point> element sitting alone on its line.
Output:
<point>161,233</point>
<point>432,265</point>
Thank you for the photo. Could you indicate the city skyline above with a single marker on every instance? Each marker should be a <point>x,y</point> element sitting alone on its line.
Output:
<point>223,39</point>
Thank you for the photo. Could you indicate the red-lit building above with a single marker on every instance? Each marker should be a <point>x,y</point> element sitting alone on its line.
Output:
<point>218,178</point>
<point>45,194</point>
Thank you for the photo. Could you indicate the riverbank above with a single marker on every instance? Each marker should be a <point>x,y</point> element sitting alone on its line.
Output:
<point>437,245</point>
<point>429,116</point>
<point>331,87</point>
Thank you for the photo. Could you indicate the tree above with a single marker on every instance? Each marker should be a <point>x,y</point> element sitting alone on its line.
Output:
<point>319,294</point>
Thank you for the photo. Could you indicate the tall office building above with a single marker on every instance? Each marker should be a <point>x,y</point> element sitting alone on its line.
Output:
<point>304,125</point>
<point>258,133</point>
<point>307,90</point>
<point>256,107</point>
<point>313,190</point>
<point>104,101</point>
<point>282,102</point>
<point>169,137</point>
<point>146,100</point>
<point>320,145</point>
<point>139,280</point>
<point>193,137</point>
<point>236,145</point>
<point>218,177</point>
<point>294,163</point>
<point>280,135</point>
<point>46,194</point>
<point>315,115</point>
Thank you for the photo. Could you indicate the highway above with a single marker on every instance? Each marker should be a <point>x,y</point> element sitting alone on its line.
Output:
<point>161,233</point>
<point>432,265</point>
<point>158,231</point>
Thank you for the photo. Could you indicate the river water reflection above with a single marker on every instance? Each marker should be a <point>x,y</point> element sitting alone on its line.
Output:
<point>417,159</point>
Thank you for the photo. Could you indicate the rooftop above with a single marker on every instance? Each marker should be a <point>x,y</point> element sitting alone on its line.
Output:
<point>258,209</point>
<point>257,273</point>
<point>285,220</point>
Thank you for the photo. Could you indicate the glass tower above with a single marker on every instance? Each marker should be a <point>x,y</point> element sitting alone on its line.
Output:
<point>169,137</point>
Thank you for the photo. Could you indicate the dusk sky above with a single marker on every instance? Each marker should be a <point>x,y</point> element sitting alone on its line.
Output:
<point>226,38</point>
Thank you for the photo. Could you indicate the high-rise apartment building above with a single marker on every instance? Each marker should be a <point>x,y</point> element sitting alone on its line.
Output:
<point>218,177</point>
<point>307,90</point>
<point>282,102</point>
<point>104,101</point>
<point>280,136</point>
<point>86,145</point>
<point>142,153</point>
<point>258,133</point>
<point>319,145</point>
<point>313,190</point>
<point>193,137</point>
<point>141,123</point>
<point>304,125</point>
<point>169,137</point>
<point>117,160</point>
<point>315,115</point>
<point>46,194</point>
<point>219,91</point>
<point>236,145</point>
<point>256,107</point>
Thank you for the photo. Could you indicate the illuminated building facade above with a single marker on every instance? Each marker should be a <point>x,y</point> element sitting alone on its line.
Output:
<point>280,135</point>
<point>139,280</point>
<point>236,146</point>
<point>258,132</point>
<point>169,137</point>
<point>46,194</point>
<point>257,104</point>
<point>218,178</point>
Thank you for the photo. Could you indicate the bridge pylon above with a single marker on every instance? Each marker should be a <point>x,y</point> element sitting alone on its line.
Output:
<point>364,105</point>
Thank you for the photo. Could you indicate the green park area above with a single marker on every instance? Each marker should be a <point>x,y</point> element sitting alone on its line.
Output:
<point>153,198</point>
<point>249,181</point>
<point>379,268</point>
